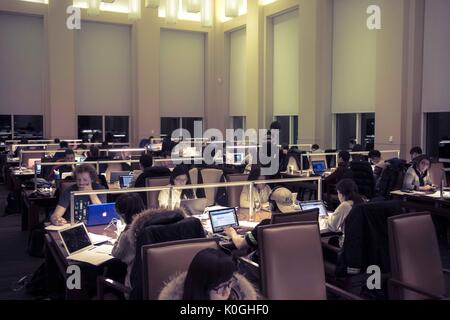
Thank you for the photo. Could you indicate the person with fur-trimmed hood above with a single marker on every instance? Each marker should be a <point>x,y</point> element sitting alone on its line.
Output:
<point>212,275</point>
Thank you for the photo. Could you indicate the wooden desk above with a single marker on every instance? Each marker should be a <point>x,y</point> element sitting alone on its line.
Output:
<point>57,265</point>
<point>32,206</point>
<point>424,202</point>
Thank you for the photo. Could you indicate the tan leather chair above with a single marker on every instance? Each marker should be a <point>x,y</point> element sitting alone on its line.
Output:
<point>416,266</point>
<point>193,175</point>
<point>152,196</point>
<point>211,176</point>
<point>436,174</point>
<point>163,260</point>
<point>234,193</point>
<point>291,263</point>
<point>311,215</point>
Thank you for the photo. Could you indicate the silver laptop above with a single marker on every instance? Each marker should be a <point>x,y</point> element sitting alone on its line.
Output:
<point>223,218</point>
<point>306,205</point>
<point>115,175</point>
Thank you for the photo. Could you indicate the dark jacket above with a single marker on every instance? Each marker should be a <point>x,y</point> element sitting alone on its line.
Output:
<point>337,175</point>
<point>366,238</point>
<point>361,172</point>
<point>242,290</point>
<point>391,177</point>
<point>156,226</point>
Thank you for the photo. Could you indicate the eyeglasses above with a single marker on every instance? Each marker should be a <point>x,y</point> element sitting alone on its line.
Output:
<point>226,285</point>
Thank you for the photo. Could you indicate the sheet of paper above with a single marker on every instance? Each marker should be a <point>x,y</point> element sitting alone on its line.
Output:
<point>98,238</point>
<point>104,248</point>
<point>90,257</point>
<point>56,228</point>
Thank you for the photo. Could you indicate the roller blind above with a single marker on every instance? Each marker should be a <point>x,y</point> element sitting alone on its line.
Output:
<point>436,64</point>
<point>21,64</point>
<point>285,64</point>
<point>103,69</point>
<point>238,73</point>
<point>182,74</point>
<point>354,58</point>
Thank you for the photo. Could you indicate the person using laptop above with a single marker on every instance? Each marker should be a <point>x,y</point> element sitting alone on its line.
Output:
<point>348,197</point>
<point>128,206</point>
<point>379,164</point>
<point>260,192</point>
<point>212,275</point>
<point>69,156</point>
<point>417,176</point>
<point>179,177</point>
<point>86,180</point>
<point>280,201</point>
<point>341,170</point>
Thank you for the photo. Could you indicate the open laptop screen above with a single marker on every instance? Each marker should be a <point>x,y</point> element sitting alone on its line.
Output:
<point>306,205</point>
<point>222,218</point>
<point>319,166</point>
<point>75,238</point>
<point>125,181</point>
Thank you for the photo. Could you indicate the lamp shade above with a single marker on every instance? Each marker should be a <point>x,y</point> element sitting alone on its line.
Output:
<point>93,8</point>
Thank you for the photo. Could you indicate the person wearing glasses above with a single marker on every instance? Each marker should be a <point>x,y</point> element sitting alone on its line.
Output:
<point>179,177</point>
<point>212,275</point>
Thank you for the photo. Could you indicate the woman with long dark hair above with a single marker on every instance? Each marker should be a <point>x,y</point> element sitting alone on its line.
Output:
<point>348,197</point>
<point>211,276</point>
<point>179,177</point>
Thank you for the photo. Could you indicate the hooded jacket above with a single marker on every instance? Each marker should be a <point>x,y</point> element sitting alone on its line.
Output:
<point>174,289</point>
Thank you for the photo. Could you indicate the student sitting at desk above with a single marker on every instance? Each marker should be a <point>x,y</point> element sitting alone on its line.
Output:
<point>415,152</point>
<point>86,180</point>
<point>379,164</point>
<point>348,196</point>
<point>341,170</point>
<point>69,156</point>
<point>260,192</point>
<point>417,176</point>
<point>128,206</point>
<point>179,177</point>
<point>280,200</point>
<point>212,275</point>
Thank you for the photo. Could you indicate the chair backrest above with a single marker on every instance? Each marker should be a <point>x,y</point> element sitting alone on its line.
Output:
<point>152,196</point>
<point>211,176</point>
<point>415,257</point>
<point>164,260</point>
<point>193,175</point>
<point>291,261</point>
<point>306,215</point>
<point>362,174</point>
<point>436,174</point>
<point>234,193</point>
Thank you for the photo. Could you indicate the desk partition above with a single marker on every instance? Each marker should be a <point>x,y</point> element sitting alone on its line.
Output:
<point>171,188</point>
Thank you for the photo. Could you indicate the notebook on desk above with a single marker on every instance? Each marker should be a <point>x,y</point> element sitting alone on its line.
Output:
<point>79,246</point>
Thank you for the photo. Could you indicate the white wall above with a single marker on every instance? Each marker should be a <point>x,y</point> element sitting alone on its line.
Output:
<point>354,58</point>
<point>238,73</point>
<point>182,74</point>
<point>21,64</point>
<point>286,64</point>
<point>103,69</point>
<point>436,66</point>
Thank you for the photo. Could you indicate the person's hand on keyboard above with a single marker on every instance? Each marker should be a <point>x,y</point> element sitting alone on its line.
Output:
<point>230,232</point>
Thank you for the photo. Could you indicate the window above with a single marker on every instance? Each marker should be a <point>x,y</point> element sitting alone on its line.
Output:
<point>116,128</point>
<point>237,123</point>
<point>169,125</point>
<point>355,126</point>
<point>104,128</point>
<point>437,130</point>
<point>289,129</point>
<point>29,127</point>
<point>5,127</point>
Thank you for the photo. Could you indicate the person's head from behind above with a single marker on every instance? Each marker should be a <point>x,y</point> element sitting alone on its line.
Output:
<point>422,163</point>
<point>56,140</point>
<point>348,191</point>
<point>179,176</point>
<point>69,155</point>
<point>254,175</point>
<point>351,144</point>
<point>415,152</point>
<point>285,148</point>
<point>128,205</point>
<point>315,147</point>
<point>275,125</point>
<point>210,276</point>
<point>85,175</point>
<point>63,145</point>
<point>375,156</point>
<point>343,156</point>
<point>94,151</point>
<point>145,161</point>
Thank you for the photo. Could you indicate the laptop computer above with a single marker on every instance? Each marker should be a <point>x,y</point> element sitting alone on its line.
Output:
<point>306,205</point>
<point>79,246</point>
<point>101,214</point>
<point>31,162</point>
<point>194,206</point>
<point>319,167</point>
<point>235,158</point>
<point>125,181</point>
<point>223,218</point>
<point>115,175</point>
